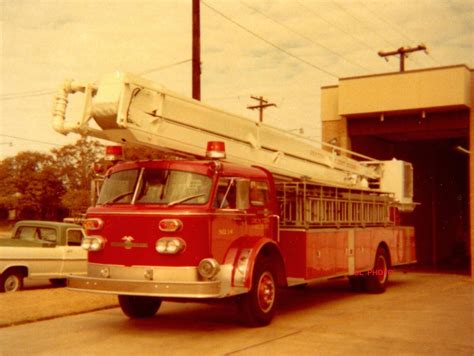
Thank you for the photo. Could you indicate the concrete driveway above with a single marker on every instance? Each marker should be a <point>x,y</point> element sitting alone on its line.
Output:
<point>420,313</point>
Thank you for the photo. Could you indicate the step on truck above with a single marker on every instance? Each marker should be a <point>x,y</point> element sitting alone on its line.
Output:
<point>247,209</point>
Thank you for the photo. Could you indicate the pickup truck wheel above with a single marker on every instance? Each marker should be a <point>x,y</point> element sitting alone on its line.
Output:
<point>257,307</point>
<point>377,279</point>
<point>137,307</point>
<point>11,281</point>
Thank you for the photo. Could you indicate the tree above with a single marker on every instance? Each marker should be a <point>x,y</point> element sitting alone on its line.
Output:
<point>74,164</point>
<point>30,183</point>
<point>135,152</point>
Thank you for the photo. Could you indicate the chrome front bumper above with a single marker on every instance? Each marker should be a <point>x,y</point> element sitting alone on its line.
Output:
<point>172,282</point>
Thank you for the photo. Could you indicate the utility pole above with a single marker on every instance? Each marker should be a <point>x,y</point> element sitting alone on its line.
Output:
<point>402,52</point>
<point>196,51</point>
<point>263,104</point>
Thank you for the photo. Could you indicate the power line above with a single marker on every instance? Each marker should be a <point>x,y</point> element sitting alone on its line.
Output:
<point>360,21</point>
<point>27,94</point>
<point>394,28</point>
<point>268,42</point>
<point>164,67</point>
<point>303,36</point>
<point>365,44</point>
<point>31,140</point>
<point>43,92</point>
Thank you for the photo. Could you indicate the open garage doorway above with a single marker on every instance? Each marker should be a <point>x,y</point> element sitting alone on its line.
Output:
<point>441,184</point>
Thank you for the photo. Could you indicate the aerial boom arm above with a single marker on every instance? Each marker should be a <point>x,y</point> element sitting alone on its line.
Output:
<point>125,108</point>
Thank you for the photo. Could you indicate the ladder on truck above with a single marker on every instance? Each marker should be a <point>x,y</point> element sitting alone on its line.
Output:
<point>125,108</point>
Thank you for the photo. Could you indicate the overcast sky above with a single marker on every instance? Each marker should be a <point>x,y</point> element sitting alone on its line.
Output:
<point>284,50</point>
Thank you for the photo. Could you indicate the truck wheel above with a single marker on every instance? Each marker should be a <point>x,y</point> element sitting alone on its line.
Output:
<point>11,281</point>
<point>137,307</point>
<point>257,307</point>
<point>377,279</point>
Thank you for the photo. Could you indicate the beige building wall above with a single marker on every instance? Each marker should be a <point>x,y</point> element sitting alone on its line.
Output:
<point>411,93</point>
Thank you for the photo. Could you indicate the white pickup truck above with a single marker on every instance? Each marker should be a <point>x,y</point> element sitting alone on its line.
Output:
<point>41,250</point>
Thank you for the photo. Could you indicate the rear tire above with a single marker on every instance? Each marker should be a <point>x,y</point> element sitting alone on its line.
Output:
<point>257,307</point>
<point>11,281</point>
<point>377,279</point>
<point>137,307</point>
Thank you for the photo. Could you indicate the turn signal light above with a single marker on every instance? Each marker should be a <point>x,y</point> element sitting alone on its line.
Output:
<point>93,224</point>
<point>170,225</point>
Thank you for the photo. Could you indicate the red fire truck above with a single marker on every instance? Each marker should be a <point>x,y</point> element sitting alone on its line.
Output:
<point>248,209</point>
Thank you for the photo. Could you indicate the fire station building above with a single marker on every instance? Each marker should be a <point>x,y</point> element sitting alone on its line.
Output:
<point>425,117</point>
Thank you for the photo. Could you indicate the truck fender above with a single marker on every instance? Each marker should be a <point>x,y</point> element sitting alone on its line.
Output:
<point>248,256</point>
<point>21,267</point>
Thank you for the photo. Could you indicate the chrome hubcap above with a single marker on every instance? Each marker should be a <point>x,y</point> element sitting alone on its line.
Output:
<point>12,284</point>
<point>266,292</point>
<point>381,269</point>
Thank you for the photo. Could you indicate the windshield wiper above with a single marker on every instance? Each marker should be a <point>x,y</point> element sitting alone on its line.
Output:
<point>182,200</point>
<point>118,197</point>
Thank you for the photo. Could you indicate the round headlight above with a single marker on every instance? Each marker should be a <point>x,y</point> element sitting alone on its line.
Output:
<point>93,243</point>
<point>96,244</point>
<point>86,243</point>
<point>170,245</point>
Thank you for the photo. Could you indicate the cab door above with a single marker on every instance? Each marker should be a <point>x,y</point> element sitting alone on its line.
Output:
<point>228,222</point>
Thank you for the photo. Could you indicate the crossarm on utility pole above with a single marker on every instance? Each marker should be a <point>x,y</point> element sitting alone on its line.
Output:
<point>263,104</point>
<point>402,51</point>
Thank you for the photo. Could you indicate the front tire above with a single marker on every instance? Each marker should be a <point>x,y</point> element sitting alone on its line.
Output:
<point>257,307</point>
<point>137,307</point>
<point>11,281</point>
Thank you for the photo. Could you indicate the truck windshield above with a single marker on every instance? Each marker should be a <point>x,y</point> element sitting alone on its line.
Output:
<point>155,186</point>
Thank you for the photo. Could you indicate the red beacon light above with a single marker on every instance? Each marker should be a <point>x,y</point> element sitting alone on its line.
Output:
<point>215,150</point>
<point>113,153</point>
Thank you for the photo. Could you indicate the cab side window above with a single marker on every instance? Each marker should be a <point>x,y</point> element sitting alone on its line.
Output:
<point>26,233</point>
<point>226,194</point>
<point>47,234</point>
<point>74,237</point>
<point>258,193</point>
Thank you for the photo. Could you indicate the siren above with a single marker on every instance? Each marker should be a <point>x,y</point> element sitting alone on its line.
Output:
<point>113,153</point>
<point>215,150</point>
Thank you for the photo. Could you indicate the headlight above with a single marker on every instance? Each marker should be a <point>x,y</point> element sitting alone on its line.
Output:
<point>208,268</point>
<point>170,245</point>
<point>93,243</point>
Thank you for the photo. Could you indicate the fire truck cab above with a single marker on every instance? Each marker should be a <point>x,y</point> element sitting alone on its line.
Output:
<point>183,229</point>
